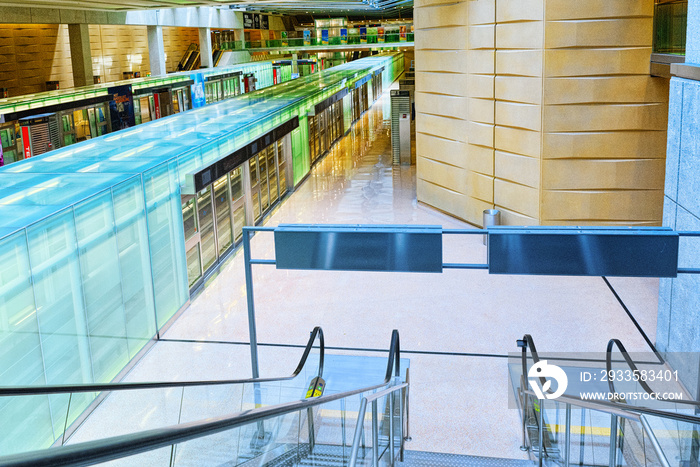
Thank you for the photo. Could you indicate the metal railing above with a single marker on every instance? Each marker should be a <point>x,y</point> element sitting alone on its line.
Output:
<point>101,387</point>
<point>403,397</point>
<point>117,447</point>
<point>616,410</point>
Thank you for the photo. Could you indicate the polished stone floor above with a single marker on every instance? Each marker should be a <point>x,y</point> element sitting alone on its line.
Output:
<point>455,327</point>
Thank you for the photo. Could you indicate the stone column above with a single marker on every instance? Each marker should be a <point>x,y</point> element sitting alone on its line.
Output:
<point>678,315</point>
<point>156,50</point>
<point>80,56</point>
<point>205,50</point>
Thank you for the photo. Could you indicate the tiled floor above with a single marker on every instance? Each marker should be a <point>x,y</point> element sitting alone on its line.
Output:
<point>459,402</point>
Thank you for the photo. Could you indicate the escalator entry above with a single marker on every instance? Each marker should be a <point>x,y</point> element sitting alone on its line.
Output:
<point>316,387</point>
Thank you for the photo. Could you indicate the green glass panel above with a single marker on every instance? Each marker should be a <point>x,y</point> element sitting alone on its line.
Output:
<point>61,314</point>
<point>135,268</point>
<point>20,353</point>
<point>101,283</point>
<point>166,240</point>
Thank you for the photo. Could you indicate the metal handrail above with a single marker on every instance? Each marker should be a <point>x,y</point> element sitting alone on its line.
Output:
<point>71,388</point>
<point>360,425</point>
<point>611,384</point>
<point>603,406</point>
<point>615,409</point>
<point>93,452</point>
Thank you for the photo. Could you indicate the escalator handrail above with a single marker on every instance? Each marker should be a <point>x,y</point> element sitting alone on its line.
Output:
<point>116,447</point>
<point>630,363</point>
<point>99,387</point>
<point>605,406</point>
<point>626,411</point>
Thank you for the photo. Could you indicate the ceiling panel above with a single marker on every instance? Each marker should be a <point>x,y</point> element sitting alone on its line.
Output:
<point>353,7</point>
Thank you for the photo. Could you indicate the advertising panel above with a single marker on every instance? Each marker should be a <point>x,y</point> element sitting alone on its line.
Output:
<point>198,97</point>
<point>26,142</point>
<point>307,37</point>
<point>247,21</point>
<point>343,36</point>
<point>380,34</point>
<point>121,107</point>
<point>363,35</point>
<point>285,40</point>
<point>402,33</point>
<point>264,22</point>
<point>324,36</point>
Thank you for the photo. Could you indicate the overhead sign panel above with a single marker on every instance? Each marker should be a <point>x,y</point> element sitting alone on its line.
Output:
<point>590,251</point>
<point>395,248</point>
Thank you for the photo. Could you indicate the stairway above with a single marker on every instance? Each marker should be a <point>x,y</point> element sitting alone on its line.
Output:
<point>336,456</point>
<point>438,459</point>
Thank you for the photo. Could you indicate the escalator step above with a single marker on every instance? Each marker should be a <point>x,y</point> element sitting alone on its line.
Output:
<point>437,459</point>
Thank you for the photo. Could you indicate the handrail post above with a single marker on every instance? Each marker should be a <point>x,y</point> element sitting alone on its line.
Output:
<point>375,435</point>
<point>391,428</point>
<point>567,437</point>
<point>613,440</point>
<point>342,422</point>
<point>358,432</point>
<point>252,328</point>
<point>402,395</point>
<point>251,305</point>
<point>541,435</point>
<point>525,398</point>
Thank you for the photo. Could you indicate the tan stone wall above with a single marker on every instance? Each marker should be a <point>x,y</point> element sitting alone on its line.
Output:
<point>31,55</point>
<point>116,49</point>
<point>549,114</point>
<point>441,39</point>
<point>175,42</point>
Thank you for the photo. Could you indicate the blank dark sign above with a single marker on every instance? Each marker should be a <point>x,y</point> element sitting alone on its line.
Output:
<point>359,248</point>
<point>597,251</point>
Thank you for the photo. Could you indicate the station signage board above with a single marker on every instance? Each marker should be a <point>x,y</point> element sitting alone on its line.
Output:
<point>121,107</point>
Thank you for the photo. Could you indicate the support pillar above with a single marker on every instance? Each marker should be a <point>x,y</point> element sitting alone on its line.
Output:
<point>239,36</point>
<point>679,298</point>
<point>205,49</point>
<point>80,56</point>
<point>156,50</point>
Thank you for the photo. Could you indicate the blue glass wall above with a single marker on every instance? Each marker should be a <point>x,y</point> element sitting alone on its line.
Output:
<point>92,249</point>
<point>77,297</point>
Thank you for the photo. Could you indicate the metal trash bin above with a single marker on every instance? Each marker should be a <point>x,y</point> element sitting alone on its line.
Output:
<point>491,217</point>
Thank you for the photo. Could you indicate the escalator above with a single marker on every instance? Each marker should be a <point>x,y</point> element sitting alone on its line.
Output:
<point>369,425</point>
<point>623,428</point>
<point>267,422</point>
<point>190,58</point>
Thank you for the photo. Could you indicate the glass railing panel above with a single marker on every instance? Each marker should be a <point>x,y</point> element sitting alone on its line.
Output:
<point>158,457</point>
<point>32,422</point>
<point>678,441</point>
<point>125,412</point>
<point>253,444</point>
